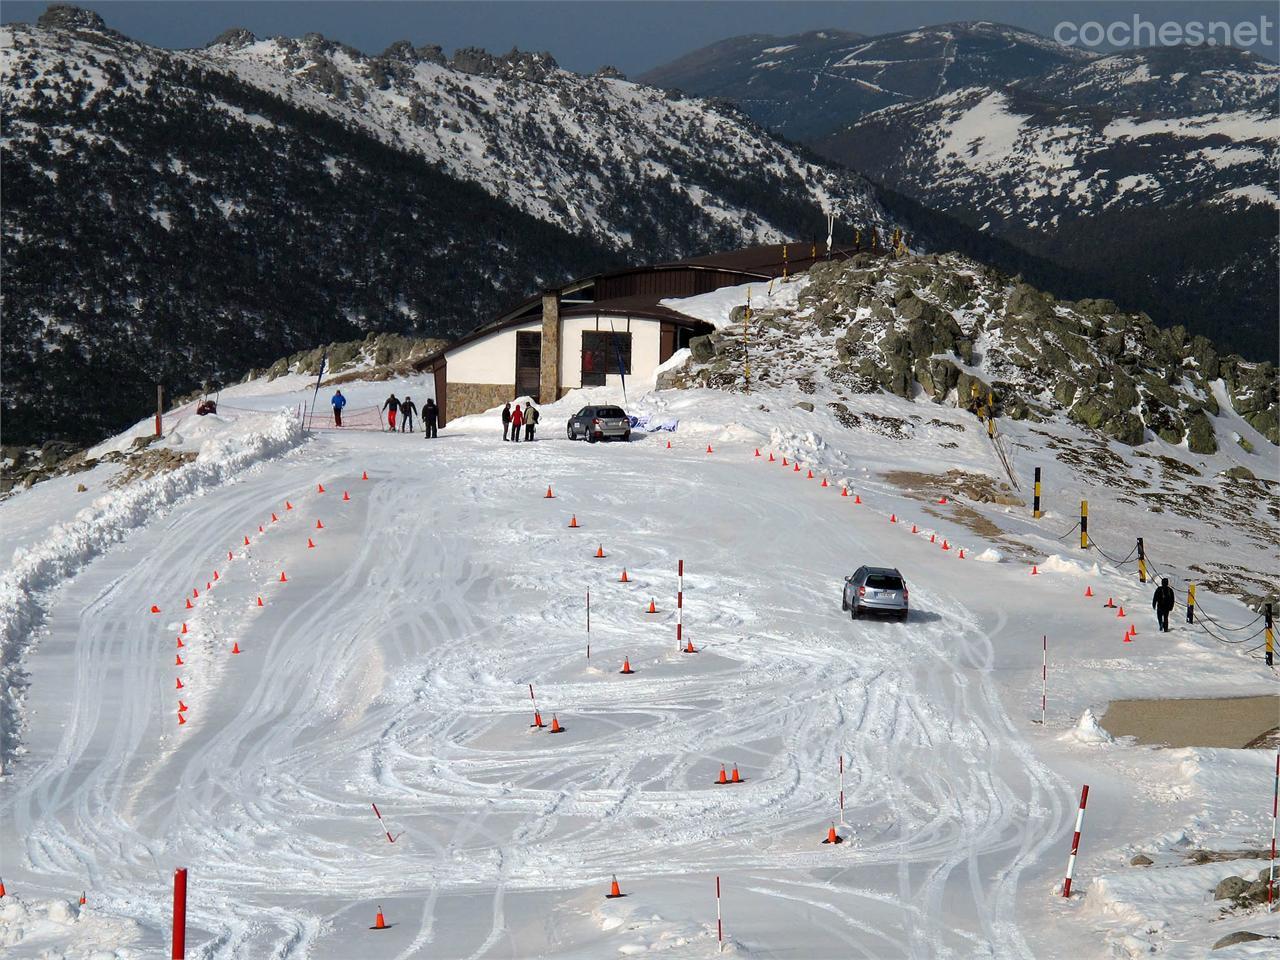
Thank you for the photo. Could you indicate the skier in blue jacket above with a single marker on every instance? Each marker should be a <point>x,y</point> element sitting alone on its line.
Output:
<point>338,401</point>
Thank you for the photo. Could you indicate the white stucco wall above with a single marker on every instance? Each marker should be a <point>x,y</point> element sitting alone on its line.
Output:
<point>490,359</point>
<point>646,343</point>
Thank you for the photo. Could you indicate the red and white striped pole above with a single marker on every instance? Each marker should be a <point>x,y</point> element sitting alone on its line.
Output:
<point>1075,841</point>
<point>679,606</point>
<point>842,823</point>
<point>719,922</point>
<point>1044,680</point>
<point>1271,869</point>
<point>377,813</point>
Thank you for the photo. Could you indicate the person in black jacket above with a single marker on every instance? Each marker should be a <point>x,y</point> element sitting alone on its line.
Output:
<point>407,409</point>
<point>1163,603</point>
<point>506,420</point>
<point>430,416</point>
<point>392,407</point>
<point>530,420</point>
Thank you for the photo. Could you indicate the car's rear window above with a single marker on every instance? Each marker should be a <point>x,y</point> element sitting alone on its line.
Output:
<point>610,412</point>
<point>878,581</point>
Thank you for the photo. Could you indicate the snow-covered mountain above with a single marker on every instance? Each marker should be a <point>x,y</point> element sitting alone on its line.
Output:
<point>812,84</point>
<point>1154,171</point>
<point>181,216</point>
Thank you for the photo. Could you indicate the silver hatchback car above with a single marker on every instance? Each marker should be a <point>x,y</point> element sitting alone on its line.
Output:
<point>599,423</point>
<point>875,590</point>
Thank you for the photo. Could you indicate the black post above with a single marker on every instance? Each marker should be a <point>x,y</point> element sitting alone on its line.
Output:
<point>1271,636</point>
<point>1035,505</point>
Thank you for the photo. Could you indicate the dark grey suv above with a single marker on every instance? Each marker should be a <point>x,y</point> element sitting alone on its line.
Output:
<point>599,423</point>
<point>875,590</point>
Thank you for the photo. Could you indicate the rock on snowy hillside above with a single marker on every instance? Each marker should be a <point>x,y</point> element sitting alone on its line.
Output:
<point>1153,172</point>
<point>812,84</point>
<point>182,216</point>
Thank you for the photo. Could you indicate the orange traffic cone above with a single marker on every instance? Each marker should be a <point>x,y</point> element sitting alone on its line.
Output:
<point>688,647</point>
<point>913,528</point>
<point>1088,591</point>
<point>345,495</point>
<point>1,888</point>
<point>1133,629</point>
<point>548,495</point>
<point>82,898</point>
<point>555,725</point>
<point>1127,637</point>
<point>364,474</point>
<point>600,552</point>
<point>893,518</point>
<point>614,890</point>
<point>962,553</point>
<point>319,488</point>
<point>844,491</point>
<point>260,528</point>
<point>310,544</point>
<point>624,578</point>
<point>709,450</point>
<point>832,836</point>
<point>573,522</point>
<point>177,659</point>
<point>724,777</point>
<point>178,685</point>
<point>1110,604</point>
<point>184,628</point>
<point>230,556</point>
<point>319,525</point>
<point>235,646</point>
<point>933,538</point>
<point>246,541</point>
<point>771,460</point>
<point>180,643</point>
<point>795,467</point>
<point>274,518</point>
<point>195,593</point>
<point>379,922</point>
<point>857,498</point>
<point>260,602</point>
<point>942,499</point>
<point>288,505</point>
<point>757,451</point>
<point>668,444</point>
<point>181,719</point>
<point>945,545</point>
<point>182,707</point>
<point>653,607</point>
<point>537,720</point>
<point>283,578</point>
<point>810,476</point>
<point>215,575</point>
<point>735,777</point>
<point>784,461</point>
<point>1034,571</point>
<point>824,482</point>
<point>626,665</point>
<point>189,606</point>
<point>1120,612</point>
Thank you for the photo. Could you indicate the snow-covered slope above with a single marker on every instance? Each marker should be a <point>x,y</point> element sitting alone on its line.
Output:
<point>392,665</point>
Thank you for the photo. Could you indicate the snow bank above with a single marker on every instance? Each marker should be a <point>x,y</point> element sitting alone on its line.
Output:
<point>1088,730</point>
<point>70,546</point>
<point>1056,563</point>
<point>990,555</point>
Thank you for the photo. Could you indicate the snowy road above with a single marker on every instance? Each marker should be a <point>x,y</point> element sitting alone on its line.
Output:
<point>392,666</point>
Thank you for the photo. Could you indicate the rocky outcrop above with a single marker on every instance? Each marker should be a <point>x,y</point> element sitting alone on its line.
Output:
<point>912,325</point>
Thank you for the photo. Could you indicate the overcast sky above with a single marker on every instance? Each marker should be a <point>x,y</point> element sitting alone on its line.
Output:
<point>631,35</point>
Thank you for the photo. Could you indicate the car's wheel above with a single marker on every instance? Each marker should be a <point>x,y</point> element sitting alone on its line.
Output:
<point>903,616</point>
<point>592,437</point>
<point>569,431</point>
<point>626,437</point>
<point>854,612</point>
<point>844,602</point>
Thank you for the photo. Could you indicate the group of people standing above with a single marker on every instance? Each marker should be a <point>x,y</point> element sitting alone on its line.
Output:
<point>406,408</point>
<point>514,419</point>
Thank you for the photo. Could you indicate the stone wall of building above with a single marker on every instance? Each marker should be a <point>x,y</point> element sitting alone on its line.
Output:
<point>549,375</point>
<point>468,398</point>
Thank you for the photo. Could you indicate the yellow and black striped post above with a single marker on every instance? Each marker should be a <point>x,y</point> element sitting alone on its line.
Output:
<point>1271,637</point>
<point>991,427</point>
<point>1035,501</point>
<point>1084,524</point>
<point>1191,603</point>
<point>1142,562</point>
<point>784,261</point>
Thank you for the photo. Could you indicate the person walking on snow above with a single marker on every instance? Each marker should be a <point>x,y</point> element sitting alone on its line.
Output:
<point>392,406</point>
<point>338,401</point>
<point>430,417</point>
<point>517,418</point>
<point>1162,601</point>
<point>530,419</point>
<point>506,420</point>
<point>407,409</point>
